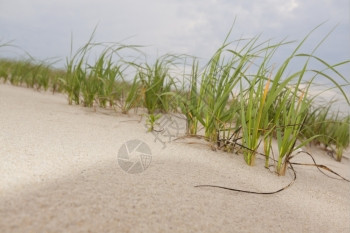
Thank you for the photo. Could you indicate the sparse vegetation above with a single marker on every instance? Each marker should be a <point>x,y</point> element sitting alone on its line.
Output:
<point>271,103</point>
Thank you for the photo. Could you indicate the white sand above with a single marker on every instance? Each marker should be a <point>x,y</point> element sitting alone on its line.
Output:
<point>59,173</point>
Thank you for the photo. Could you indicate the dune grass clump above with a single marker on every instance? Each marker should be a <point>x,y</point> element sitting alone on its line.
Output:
<point>154,86</point>
<point>156,83</point>
<point>187,99</point>
<point>217,83</point>
<point>40,75</point>
<point>130,96</point>
<point>317,123</point>
<point>239,97</point>
<point>207,101</point>
<point>342,136</point>
<point>101,81</point>
<point>270,104</point>
<point>332,128</point>
<point>32,74</point>
<point>5,69</point>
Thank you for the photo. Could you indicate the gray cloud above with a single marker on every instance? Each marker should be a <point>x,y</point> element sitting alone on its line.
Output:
<point>197,27</point>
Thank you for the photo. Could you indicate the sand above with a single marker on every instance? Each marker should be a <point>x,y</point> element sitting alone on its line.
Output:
<point>60,173</point>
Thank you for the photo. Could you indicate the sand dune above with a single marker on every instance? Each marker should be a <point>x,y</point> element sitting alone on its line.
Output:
<point>60,172</point>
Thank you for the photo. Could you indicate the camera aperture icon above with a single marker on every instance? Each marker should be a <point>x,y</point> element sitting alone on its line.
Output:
<point>134,156</point>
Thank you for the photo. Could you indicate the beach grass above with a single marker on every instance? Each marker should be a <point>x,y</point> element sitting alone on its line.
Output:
<point>39,75</point>
<point>239,95</point>
<point>332,127</point>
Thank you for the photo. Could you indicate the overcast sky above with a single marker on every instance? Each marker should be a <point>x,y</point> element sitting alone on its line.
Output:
<point>196,27</point>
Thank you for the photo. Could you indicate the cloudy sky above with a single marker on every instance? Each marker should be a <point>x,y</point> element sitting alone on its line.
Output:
<point>196,27</point>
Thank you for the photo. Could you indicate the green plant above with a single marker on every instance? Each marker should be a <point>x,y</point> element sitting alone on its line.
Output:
<point>5,69</point>
<point>151,120</point>
<point>156,83</point>
<point>218,81</point>
<point>75,74</point>
<point>130,96</point>
<point>271,103</point>
<point>341,136</point>
<point>209,104</point>
<point>294,109</point>
<point>188,99</point>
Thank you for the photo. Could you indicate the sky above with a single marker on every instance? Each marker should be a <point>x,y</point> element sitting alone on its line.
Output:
<point>197,27</point>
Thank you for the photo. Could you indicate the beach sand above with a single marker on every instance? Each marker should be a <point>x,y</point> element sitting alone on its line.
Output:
<point>60,173</point>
